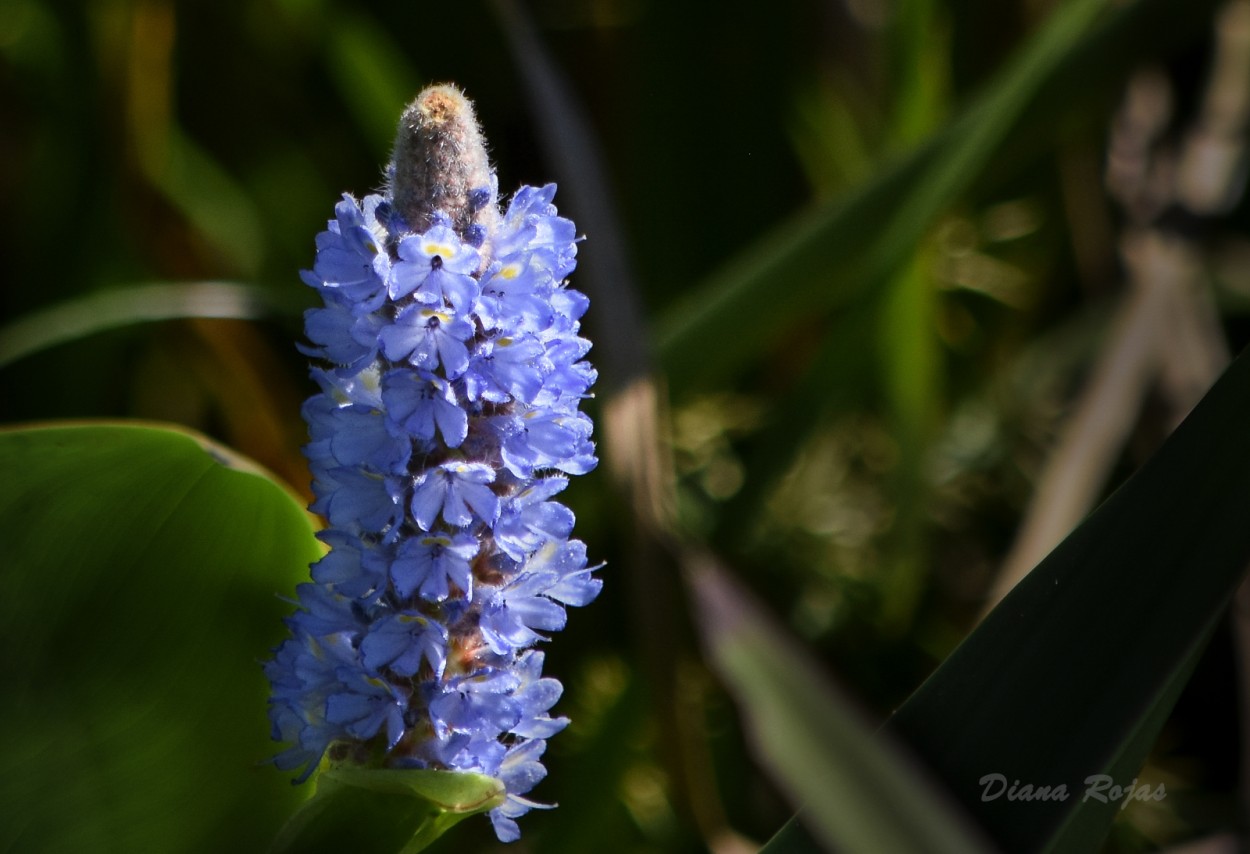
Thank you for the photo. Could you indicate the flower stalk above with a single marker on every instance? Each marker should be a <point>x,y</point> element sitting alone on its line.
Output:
<point>448,420</point>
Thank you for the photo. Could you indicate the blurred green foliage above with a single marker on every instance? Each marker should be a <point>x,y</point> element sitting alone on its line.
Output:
<point>887,215</point>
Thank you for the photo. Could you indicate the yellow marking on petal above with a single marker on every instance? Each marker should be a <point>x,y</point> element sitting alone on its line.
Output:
<point>511,271</point>
<point>431,312</point>
<point>446,250</point>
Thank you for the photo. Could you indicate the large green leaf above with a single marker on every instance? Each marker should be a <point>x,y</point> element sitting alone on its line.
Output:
<point>860,791</point>
<point>1075,671</point>
<point>142,570</point>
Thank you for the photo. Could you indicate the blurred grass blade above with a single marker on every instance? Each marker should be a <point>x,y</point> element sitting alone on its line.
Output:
<point>211,199</point>
<point>569,144</point>
<point>910,359</point>
<point>385,811</point>
<point>141,568</point>
<point>859,791</point>
<point>83,316</point>
<point>372,74</point>
<point>865,235</point>
<point>1074,673</point>
<point>919,53</point>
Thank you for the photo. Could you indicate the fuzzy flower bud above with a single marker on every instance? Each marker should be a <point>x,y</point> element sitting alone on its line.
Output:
<point>451,378</point>
<point>440,164</point>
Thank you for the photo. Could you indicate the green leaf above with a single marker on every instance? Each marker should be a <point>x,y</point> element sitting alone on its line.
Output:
<point>1075,671</point>
<point>385,810</point>
<point>142,569</point>
<point>860,791</point>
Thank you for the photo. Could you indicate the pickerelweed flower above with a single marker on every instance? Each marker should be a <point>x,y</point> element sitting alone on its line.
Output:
<point>448,419</point>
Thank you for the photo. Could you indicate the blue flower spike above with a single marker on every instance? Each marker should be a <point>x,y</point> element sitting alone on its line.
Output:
<point>451,375</point>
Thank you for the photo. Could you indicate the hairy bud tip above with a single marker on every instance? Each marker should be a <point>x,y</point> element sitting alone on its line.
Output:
<point>439,163</point>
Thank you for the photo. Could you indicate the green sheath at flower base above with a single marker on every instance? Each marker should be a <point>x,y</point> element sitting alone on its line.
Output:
<point>405,810</point>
